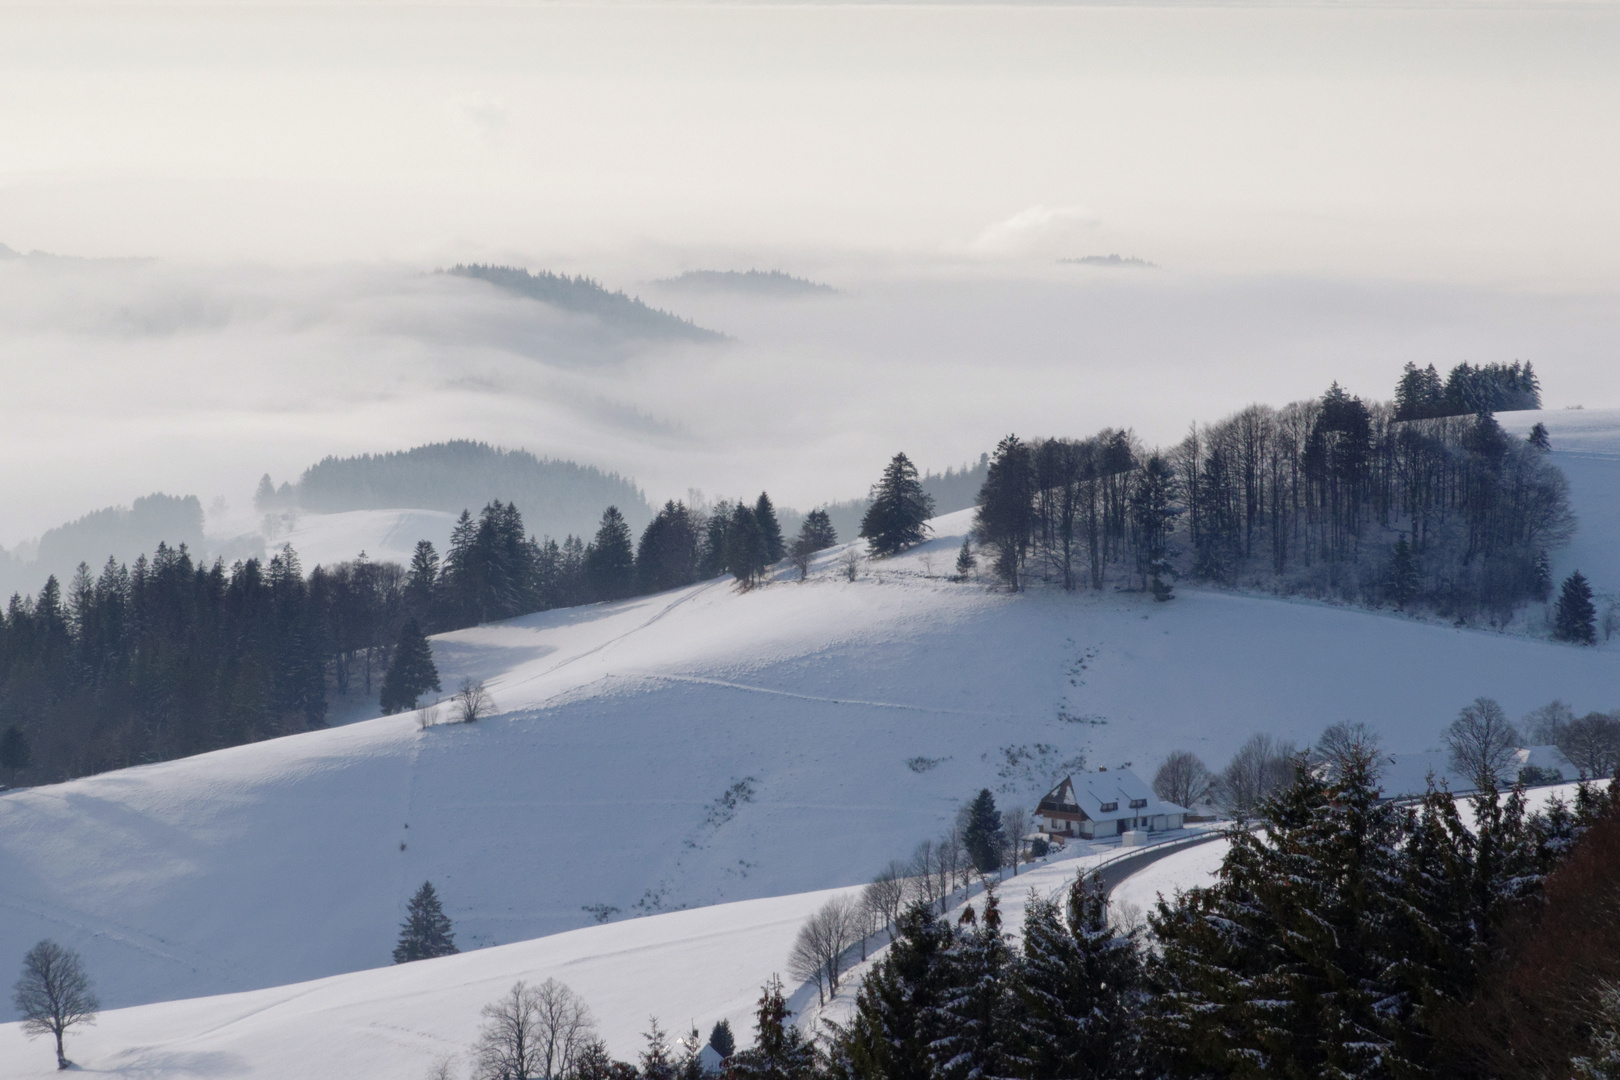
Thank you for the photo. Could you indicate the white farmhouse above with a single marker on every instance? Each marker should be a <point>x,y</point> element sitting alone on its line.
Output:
<point>1108,802</point>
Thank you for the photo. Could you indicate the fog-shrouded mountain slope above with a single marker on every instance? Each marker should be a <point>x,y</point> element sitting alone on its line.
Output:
<point>701,746</point>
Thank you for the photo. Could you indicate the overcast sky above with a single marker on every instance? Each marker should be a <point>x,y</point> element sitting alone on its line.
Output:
<point>1329,192</point>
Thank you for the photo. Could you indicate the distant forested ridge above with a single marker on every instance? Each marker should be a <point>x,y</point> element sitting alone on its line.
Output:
<point>559,496</point>
<point>624,313</point>
<point>124,531</point>
<point>759,282</point>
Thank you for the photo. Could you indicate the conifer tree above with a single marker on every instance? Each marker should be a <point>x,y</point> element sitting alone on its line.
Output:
<point>896,1021</point>
<point>1081,992</point>
<point>1005,519</point>
<point>770,530</point>
<point>745,554</point>
<point>1575,617</point>
<point>1285,965</point>
<point>984,834</point>
<point>426,930</point>
<point>1153,514</point>
<point>900,509</point>
<point>965,561</point>
<point>976,1007</point>
<point>610,560</point>
<point>1538,437</point>
<point>421,579</point>
<point>780,1051</point>
<point>15,753</point>
<point>722,1040</point>
<point>411,673</point>
<point>667,556</point>
<point>1403,574</point>
<point>817,532</point>
<point>657,1063</point>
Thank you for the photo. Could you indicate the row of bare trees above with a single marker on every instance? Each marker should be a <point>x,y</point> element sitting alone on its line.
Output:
<point>936,871</point>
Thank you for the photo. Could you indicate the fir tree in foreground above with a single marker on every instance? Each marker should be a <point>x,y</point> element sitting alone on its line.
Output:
<point>900,509</point>
<point>426,930</point>
<point>411,673</point>
<point>780,1050</point>
<point>1575,618</point>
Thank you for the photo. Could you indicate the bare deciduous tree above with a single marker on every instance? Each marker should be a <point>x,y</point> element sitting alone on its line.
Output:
<point>1592,744</point>
<point>923,884</point>
<point>533,1033</point>
<point>1243,782</point>
<point>472,702</point>
<point>54,994</point>
<point>1544,726</point>
<point>1183,779</point>
<point>825,937</point>
<point>850,561</point>
<point>1346,744</point>
<point>1014,824</point>
<point>1482,741</point>
<point>886,895</point>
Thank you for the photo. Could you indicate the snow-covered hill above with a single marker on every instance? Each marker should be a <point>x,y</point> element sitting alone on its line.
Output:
<point>696,747</point>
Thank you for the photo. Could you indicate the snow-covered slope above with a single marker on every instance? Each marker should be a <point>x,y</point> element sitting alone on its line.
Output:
<point>685,968</point>
<point>1586,445</point>
<point>697,747</point>
<point>394,1023</point>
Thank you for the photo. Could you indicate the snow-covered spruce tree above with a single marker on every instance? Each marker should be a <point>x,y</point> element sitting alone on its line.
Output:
<point>1081,993</point>
<point>1283,967</point>
<point>900,509</point>
<point>1574,617</point>
<point>667,556</point>
<point>976,1008</point>
<point>426,930</point>
<point>983,835</point>
<point>780,1051</point>
<point>411,672</point>
<point>892,1033</point>
<point>1005,519</point>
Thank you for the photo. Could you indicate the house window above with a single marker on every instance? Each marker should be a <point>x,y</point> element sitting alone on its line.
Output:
<point>1109,807</point>
<point>1137,804</point>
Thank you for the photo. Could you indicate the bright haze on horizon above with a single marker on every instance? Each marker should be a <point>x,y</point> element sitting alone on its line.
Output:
<point>1326,193</point>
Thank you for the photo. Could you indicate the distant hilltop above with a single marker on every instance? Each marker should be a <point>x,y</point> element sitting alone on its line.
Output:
<point>1111,261</point>
<point>623,313</point>
<point>759,282</point>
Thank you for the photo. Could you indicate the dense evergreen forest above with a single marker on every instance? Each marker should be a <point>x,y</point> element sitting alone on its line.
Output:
<point>1332,497</point>
<point>616,310</point>
<point>451,476</point>
<point>172,657</point>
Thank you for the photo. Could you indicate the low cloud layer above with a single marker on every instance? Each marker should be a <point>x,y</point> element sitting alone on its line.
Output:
<point>127,378</point>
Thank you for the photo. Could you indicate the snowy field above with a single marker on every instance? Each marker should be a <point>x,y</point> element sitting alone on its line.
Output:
<point>685,968</point>
<point>697,747</point>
